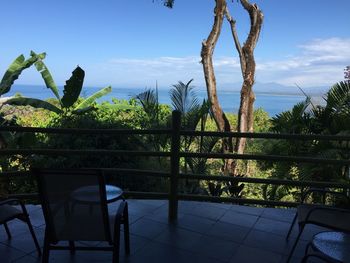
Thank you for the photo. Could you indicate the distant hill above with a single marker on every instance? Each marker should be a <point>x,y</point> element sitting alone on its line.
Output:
<point>276,88</point>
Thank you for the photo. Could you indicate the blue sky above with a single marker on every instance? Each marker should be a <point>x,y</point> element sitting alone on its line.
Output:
<point>127,43</point>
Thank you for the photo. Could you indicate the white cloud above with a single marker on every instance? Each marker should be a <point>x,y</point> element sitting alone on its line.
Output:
<point>319,62</point>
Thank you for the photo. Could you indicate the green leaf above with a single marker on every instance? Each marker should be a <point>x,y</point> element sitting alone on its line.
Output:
<point>15,69</point>
<point>83,110</point>
<point>73,88</point>
<point>47,77</point>
<point>87,102</point>
<point>36,103</point>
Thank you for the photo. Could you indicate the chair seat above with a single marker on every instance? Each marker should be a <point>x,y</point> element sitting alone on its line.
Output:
<point>8,212</point>
<point>324,217</point>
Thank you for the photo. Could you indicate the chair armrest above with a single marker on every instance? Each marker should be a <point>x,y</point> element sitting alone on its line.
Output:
<point>118,219</point>
<point>119,214</point>
<point>325,208</point>
<point>15,201</point>
<point>323,191</point>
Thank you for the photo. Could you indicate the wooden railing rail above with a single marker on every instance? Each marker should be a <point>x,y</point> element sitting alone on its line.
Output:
<point>175,156</point>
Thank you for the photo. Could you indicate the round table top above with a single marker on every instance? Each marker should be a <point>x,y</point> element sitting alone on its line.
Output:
<point>334,245</point>
<point>90,194</point>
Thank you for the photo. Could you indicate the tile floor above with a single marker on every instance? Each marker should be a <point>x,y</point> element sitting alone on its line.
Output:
<point>204,232</point>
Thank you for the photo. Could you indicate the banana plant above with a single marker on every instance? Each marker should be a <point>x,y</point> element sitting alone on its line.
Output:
<point>20,64</point>
<point>71,90</point>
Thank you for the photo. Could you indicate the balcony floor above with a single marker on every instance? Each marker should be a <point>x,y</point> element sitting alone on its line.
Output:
<point>204,232</point>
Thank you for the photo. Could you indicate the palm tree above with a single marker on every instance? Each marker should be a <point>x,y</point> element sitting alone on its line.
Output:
<point>333,118</point>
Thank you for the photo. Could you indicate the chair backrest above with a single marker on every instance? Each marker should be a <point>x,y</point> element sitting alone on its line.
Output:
<point>74,204</point>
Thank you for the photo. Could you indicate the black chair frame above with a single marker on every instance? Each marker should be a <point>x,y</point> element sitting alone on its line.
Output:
<point>313,209</point>
<point>21,215</point>
<point>121,218</point>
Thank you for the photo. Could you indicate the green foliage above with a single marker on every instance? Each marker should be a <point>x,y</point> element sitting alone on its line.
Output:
<point>333,118</point>
<point>73,88</point>
<point>36,103</point>
<point>16,68</point>
<point>46,76</point>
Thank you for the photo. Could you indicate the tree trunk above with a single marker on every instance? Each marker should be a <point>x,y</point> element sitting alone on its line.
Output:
<point>207,51</point>
<point>246,55</point>
<point>247,61</point>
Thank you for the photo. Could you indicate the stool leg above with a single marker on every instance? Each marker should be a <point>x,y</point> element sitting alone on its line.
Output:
<point>7,231</point>
<point>126,229</point>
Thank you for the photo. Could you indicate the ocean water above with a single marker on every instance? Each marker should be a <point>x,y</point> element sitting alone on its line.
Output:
<point>273,103</point>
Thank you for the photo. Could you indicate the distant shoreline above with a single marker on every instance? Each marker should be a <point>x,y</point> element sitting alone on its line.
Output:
<point>272,102</point>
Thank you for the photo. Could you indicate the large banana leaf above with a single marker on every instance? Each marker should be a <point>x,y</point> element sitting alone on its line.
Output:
<point>73,88</point>
<point>46,75</point>
<point>36,103</point>
<point>15,69</point>
<point>87,102</point>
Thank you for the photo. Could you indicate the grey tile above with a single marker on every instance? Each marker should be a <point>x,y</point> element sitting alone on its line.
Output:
<point>37,217</point>
<point>147,228</point>
<point>209,212</point>
<point>28,259</point>
<point>215,248</point>
<point>179,238</point>
<point>272,226</point>
<point>251,210</point>
<point>186,207</point>
<point>16,227</point>
<point>219,205</point>
<point>274,243</point>
<point>240,219</point>
<point>195,223</point>
<point>229,232</point>
<point>24,242</point>
<point>9,254</point>
<point>285,215</point>
<point>159,253</point>
<point>136,244</point>
<point>247,254</point>
<point>141,207</point>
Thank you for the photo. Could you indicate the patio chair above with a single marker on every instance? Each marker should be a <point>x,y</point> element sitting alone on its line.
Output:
<point>337,219</point>
<point>329,246</point>
<point>70,219</point>
<point>8,212</point>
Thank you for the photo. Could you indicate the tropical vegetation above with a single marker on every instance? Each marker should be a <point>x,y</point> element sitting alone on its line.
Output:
<point>144,111</point>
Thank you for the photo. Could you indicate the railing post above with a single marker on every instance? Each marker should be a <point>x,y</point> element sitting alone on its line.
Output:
<point>174,164</point>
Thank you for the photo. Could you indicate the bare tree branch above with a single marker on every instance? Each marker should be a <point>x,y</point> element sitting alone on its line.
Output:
<point>235,38</point>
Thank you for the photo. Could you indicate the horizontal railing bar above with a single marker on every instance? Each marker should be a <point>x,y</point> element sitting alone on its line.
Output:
<point>25,196</point>
<point>183,132</point>
<point>84,131</point>
<point>81,152</point>
<point>182,154</point>
<point>122,171</point>
<point>263,158</point>
<point>132,194</point>
<point>188,197</point>
<point>263,181</point>
<point>127,171</point>
<point>145,195</point>
<point>220,178</point>
<point>205,198</point>
<point>266,135</point>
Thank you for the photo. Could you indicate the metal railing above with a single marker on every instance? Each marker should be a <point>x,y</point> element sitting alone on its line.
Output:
<point>175,154</point>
